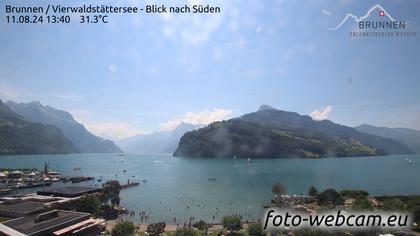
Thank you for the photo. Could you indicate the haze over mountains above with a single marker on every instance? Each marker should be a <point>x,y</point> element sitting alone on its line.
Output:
<point>157,142</point>
<point>20,136</point>
<point>408,137</point>
<point>32,128</point>
<point>271,133</point>
<point>85,141</point>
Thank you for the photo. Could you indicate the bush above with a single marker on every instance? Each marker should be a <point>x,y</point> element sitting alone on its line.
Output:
<point>329,197</point>
<point>185,231</point>
<point>123,228</point>
<point>255,229</point>
<point>232,223</point>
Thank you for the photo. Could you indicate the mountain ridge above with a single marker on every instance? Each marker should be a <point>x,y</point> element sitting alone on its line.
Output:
<point>156,142</point>
<point>85,141</point>
<point>271,133</point>
<point>406,136</point>
<point>20,136</point>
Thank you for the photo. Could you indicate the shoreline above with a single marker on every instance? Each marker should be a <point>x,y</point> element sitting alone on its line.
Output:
<point>142,227</point>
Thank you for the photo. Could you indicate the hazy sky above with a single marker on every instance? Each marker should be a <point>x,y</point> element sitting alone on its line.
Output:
<point>142,73</point>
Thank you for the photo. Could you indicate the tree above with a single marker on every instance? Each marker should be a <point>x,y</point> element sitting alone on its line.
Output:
<point>202,225</point>
<point>89,203</point>
<point>312,191</point>
<point>278,188</point>
<point>362,204</point>
<point>354,193</point>
<point>185,231</point>
<point>393,204</point>
<point>232,223</point>
<point>123,228</point>
<point>111,192</point>
<point>255,229</point>
<point>329,197</point>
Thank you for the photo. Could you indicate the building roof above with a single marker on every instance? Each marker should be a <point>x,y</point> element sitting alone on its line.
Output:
<point>70,191</point>
<point>20,208</point>
<point>46,223</point>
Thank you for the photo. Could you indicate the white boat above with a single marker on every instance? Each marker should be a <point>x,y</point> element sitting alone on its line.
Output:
<point>410,161</point>
<point>249,160</point>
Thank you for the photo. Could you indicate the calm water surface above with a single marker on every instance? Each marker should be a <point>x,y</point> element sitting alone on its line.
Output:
<point>173,184</point>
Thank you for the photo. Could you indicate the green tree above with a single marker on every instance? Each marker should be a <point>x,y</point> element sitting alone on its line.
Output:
<point>89,203</point>
<point>354,193</point>
<point>362,204</point>
<point>111,192</point>
<point>255,229</point>
<point>278,189</point>
<point>312,191</point>
<point>232,223</point>
<point>393,204</point>
<point>329,197</point>
<point>202,225</point>
<point>123,228</point>
<point>185,231</point>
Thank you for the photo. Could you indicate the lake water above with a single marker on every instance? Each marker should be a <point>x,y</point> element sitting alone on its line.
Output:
<point>173,184</point>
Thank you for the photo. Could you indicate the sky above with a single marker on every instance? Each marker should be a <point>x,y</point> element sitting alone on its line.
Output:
<point>149,72</point>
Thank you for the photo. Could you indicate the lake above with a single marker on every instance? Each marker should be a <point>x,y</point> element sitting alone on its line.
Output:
<point>181,187</point>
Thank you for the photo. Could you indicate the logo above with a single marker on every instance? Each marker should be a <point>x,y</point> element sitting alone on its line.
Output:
<point>385,26</point>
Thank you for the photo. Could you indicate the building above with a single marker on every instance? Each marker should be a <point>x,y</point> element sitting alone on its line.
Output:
<point>69,192</point>
<point>54,222</point>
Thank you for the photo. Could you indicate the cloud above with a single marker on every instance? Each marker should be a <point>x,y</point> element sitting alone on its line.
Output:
<point>116,130</point>
<point>326,12</point>
<point>198,118</point>
<point>113,68</point>
<point>321,113</point>
<point>113,129</point>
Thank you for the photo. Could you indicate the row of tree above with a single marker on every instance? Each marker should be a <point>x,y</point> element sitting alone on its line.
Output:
<point>232,224</point>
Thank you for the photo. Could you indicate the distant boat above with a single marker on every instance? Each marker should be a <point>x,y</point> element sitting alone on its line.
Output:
<point>212,179</point>
<point>249,160</point>
<point>410,161</point>
<point>121,155</point>
<point>76,168</point>
<point>406,158</point>
<point>234,157</point>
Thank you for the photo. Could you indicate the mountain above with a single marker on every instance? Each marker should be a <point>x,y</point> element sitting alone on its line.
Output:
<point>85,141</point>
<point>271,133</point>
<point>19,136</point>
<point>408,137</point>
<point>157,142</point>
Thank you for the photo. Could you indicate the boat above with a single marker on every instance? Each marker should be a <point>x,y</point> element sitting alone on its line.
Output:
<point>234,157</point>
<point>213,179</point>
<point>410,161</point>
<point>249,160</point>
